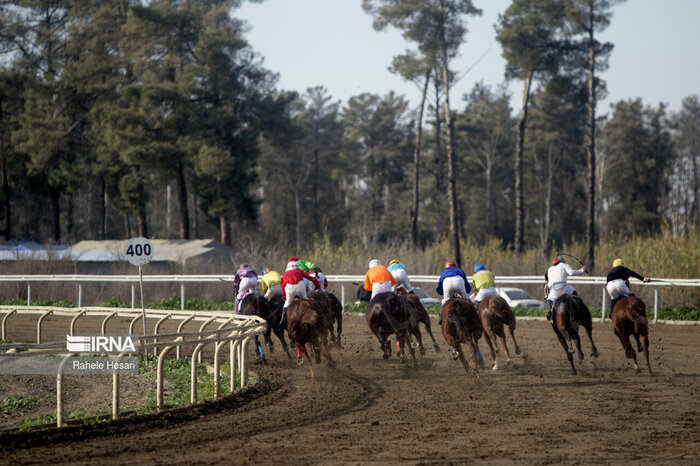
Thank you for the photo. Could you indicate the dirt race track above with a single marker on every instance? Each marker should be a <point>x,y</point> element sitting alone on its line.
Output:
<point>366,410</point>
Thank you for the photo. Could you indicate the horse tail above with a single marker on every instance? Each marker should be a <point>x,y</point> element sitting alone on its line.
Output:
<point>455,318</point>
<point>641,325</point>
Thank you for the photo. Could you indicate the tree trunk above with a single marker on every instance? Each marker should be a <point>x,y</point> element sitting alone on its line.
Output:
<point>489,196</point>
<point>182,200</point>
<point>413,222</point>
<point>6,191</point>
<point>127,225</point>
<point>168,209</point>
<point>314,182</point>
<point>69,217</point>
<point>102,211</point>
<point>451,169</point>
<point>195,204</point>
<point>143,226</point>
<point>225,230</point>
<point>519,148</point>
<point>590,146</point>
<point>297,210</point>
<point>55,196</point>
<point>440,165</point>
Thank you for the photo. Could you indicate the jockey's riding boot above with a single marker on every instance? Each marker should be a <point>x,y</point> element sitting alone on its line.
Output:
<point>549,310</point>
<point>284,314</point>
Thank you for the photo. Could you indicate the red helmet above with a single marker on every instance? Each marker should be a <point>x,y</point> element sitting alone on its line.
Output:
<point>293,259</point>
<point>449,264</point>
<point>557,260</point>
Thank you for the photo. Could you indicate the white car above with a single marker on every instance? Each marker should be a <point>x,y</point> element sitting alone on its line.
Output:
<point>426,300</point>
<point>518,297</point>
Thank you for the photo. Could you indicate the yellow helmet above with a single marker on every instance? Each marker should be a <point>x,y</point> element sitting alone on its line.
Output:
<point>394,261</point>
<point>618,262</point>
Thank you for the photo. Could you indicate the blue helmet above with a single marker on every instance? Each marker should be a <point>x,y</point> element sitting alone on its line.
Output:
<point>479,268</point>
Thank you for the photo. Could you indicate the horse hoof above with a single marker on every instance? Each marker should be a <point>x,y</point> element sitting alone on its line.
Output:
<point>414,345</point>
<point>300,361</point>
<point>385,356</point>
<point>437,347</point>
<point>455,356</point>
<point>422,351</point>
<point>595,354</point>
<point>494,367</point>
<point>517,350</point>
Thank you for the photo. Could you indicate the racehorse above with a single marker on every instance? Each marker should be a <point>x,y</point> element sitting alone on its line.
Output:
<point>275,323</point>
<point>418,315</point>
<point>568,312</point>
<point>461,324</point>
<point>388,314</point>
<point>629,317</point>
<point>253,304</point>
<point>307,327</point>
<point>334,309</point>
<point>495,312</point>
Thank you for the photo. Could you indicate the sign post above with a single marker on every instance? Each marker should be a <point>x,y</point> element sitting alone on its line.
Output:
<point>139,252</point>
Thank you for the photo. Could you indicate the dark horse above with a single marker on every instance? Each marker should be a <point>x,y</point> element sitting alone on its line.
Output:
<point>461,324</point>
<point>307,327</point>
<point>418,315</point>
<point>629,317</point>
<point>388,314</point>
<point>495,313</point>
<point>256,305</point>
<point>568,312</point>
<point>331,305</point>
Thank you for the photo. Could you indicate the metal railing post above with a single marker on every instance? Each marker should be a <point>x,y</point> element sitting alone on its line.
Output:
<point>244,361</point>
<point>159,373</point>
<point>59,391</point>
<point>4,323</point>
<point>80,295</point>
<point>656,304</point>
<point>104,322</point>
<point>179,329</point>
<point>156,328</point>
<point>73,321</point>
<point>342,295</point>
<point>133,296</point>
<point>38,325</point>
<point>29,293</point>
<point>602,306</point>
<point>182,296</point>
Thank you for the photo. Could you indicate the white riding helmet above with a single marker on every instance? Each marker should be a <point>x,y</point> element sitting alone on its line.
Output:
<point>374,263</point>
<point>292,265</point>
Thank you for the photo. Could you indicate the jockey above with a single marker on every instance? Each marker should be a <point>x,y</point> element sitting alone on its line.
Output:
<point>556,281</point>
<point>399,272</point>
<point>271,283</point>
<point>618,284</point>
<point>453,282</point>
<point>293,285</point>
<point>378,278</point>
<point>245,282</point>
<point>315,271</point>
<point>484,283</point>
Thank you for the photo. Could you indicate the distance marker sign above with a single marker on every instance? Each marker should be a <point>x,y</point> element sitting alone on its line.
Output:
<point>138,251</point>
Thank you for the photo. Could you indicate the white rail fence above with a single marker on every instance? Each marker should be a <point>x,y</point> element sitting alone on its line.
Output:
<point>236,330</point>
<point>656,284</point>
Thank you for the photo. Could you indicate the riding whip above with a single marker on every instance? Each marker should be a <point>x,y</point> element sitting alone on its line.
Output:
<point>571,255</point>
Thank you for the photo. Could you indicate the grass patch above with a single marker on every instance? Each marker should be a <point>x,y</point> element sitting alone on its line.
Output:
<point>36,302</point>
<point>14,403</point>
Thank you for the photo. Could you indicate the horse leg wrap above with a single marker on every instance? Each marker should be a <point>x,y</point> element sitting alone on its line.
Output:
<point>262,355</point>
<point>298,351</point>
<point>398,347</point>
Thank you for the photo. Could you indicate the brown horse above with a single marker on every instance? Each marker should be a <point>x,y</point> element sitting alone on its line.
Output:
<point>568,312</point>
<point>495,313</point>
<point>388,314</point>
<point>461,324</point>
<point>418,315</point>
<point>331,305</point>
<point>629,317</point>
<point>307,327</point>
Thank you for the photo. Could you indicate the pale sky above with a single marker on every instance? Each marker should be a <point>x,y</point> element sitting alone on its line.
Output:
<point>332,43</point>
